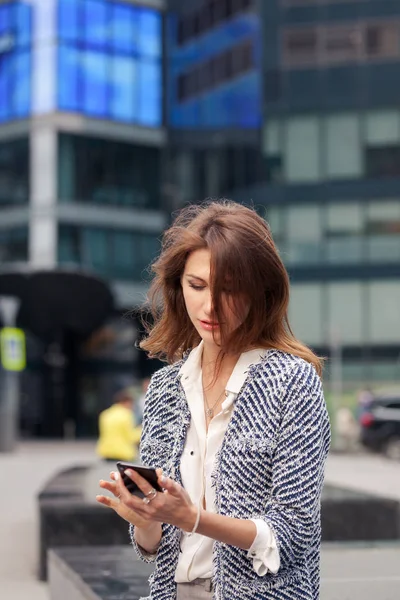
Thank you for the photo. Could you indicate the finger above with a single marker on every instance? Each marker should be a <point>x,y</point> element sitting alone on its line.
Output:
<point>171,486</point>
<point>125,495</point>
<point>140,481</point>
<point>115,476</point>
<point>160,480</point>
<point>109,486</point>
<point>119,483</point>
<point>108,501</point>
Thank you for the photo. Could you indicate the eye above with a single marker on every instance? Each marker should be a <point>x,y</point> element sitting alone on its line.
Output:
<point>196,287</point>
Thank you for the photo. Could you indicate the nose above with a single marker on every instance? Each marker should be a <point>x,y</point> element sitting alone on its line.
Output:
<point>208,308</point>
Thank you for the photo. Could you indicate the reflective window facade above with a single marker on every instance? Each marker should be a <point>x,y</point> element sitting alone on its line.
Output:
<point>15,60</point>
<point>344,145</point>
<point>99,58</point>
<point>214,77</point>
<point>14,172</point>
<point>106,172</point>
<point>338,233</point>
<point>330,45</point>
<point>331,141</point>
<point>196,174</point>
<point>114,254</point>
<point>210,14</point>
<point>350,312</point>
<point>109,61</point>
<point>14,245</point>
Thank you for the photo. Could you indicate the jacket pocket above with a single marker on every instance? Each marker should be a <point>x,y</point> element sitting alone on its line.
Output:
<point>251,451</point>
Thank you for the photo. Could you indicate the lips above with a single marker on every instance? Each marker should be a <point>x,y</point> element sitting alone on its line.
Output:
<point>208,325</point>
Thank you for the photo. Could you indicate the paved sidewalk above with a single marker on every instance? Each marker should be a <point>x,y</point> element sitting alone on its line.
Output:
<point>348,574</point>
<point>360,573</point>
<point>365,472</point>
<point>23,474</point>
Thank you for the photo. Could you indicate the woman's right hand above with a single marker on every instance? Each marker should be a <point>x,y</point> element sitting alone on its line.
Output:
<point>119,507</point>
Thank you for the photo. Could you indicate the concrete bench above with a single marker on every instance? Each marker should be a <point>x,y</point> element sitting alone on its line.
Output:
<point>348,572</point>
<point>69,515</point>
<point>103,573</point>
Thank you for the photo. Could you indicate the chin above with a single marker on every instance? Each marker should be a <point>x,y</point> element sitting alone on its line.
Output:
<point>209,338</point>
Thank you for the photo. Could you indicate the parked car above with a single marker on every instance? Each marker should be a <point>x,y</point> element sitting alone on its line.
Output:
<point>380,424</point>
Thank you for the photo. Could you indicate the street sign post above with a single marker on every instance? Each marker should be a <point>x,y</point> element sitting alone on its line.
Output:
<point>12,349</point>
<point>12,361</point>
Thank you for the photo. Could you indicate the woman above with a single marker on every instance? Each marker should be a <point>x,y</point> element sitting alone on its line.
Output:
<point>236,424</point>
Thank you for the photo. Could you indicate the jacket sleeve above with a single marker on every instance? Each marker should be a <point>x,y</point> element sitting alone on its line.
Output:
<point>293,509</point>
<point>146,456</point>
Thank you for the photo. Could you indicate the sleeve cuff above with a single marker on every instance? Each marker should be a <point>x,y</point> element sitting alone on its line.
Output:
<point>264,550</point>
<point>141,552</point>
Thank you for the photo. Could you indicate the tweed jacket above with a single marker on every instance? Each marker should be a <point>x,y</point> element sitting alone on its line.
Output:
<point>270,466</point>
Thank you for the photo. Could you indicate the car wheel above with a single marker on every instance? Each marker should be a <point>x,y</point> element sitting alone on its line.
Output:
<point>392,449</point>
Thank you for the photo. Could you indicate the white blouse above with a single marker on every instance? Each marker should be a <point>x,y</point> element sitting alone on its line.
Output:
<point>197,462</point>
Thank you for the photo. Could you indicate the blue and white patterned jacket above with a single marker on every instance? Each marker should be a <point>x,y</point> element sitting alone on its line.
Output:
<point>270,466</point>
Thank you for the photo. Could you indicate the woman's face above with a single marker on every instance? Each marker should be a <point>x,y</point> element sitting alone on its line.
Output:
<point>197,294</point>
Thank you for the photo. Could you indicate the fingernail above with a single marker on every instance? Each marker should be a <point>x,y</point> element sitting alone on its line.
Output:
<point>116,476</point>
<point>129,473</point>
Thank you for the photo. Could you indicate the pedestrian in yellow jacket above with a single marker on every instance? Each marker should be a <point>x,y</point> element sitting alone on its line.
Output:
<point>119,436</point>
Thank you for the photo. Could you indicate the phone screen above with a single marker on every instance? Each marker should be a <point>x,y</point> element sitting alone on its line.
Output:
<point>147,473</point>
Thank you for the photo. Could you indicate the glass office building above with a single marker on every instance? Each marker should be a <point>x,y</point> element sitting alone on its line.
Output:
<point>115,113</point>
<point>331,140</point>
<point>82,135</point>
<point>214,108</point>
<point>318,157</point>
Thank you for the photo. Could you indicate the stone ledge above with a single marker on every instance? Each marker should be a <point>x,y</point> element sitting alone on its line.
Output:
<point>69,516</point>
<point>97,574</point>
<point>350,571</point>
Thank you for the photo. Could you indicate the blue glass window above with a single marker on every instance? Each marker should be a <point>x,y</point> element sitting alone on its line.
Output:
<point>21,77</point>
<point>149,91</point>
<point>69,65</point>
<point>23,25</point>
<point>150,34</point>
<point>95,82</point>
<point>115,71</point>
<point>124,84</point>
<point>15,61</point>
<point>5,20</point>
<point>125,29</point>
<point>68,20</point>
<point>5,84</point>
<point>98,30</point>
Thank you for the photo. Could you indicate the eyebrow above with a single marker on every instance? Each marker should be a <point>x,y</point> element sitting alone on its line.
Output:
<point>195,277</point>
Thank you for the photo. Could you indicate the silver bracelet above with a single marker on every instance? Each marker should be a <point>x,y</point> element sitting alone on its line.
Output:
<point>196,523</point>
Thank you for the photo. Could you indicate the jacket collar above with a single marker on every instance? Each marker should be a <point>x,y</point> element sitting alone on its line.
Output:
<point>192,366</point>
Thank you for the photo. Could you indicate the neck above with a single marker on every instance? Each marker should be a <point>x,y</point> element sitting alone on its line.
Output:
<point>213,365</point>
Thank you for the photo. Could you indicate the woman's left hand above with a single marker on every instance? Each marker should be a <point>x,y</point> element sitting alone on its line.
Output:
<point>172,506</point>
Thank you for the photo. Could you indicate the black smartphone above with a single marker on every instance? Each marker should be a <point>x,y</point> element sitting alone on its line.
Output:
<point>147,473</point>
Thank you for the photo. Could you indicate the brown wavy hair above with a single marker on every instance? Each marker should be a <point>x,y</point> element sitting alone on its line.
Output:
<point>244,256</point>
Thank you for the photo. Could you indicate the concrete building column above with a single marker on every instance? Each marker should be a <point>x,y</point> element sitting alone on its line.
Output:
<point>43,196</point>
